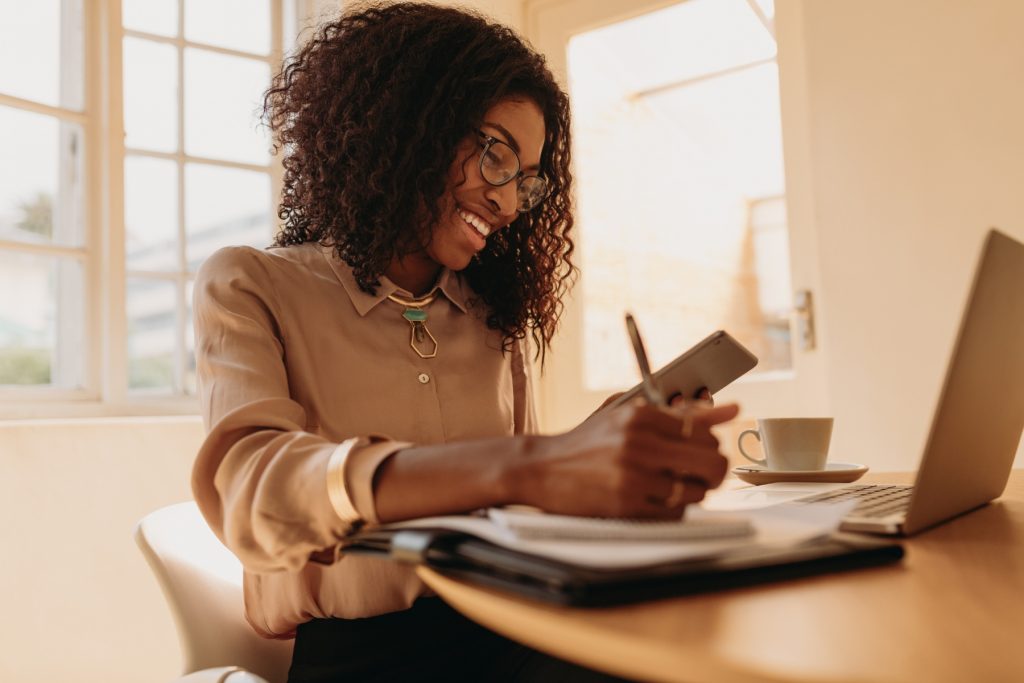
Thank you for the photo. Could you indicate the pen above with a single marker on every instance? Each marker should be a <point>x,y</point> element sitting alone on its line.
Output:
<point>651,390</point>
<point>656,398</point>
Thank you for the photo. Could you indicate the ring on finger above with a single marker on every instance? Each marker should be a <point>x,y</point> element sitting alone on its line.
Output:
<point>675,497</point>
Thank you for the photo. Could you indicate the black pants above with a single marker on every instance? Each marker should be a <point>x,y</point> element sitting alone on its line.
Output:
<point>429,642</point>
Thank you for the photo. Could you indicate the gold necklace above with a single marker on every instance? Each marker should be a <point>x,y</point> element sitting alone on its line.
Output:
<point>415,312</point>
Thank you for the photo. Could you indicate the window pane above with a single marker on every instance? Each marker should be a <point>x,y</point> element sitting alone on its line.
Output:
<point>150,95</point>
<point>152,334</point>
<point>224,206</point>
<point>681,201</point>
<point>40,179</point>
<point>687,40</point>
<point>41,321</point>
<point>769,231</point>
<point>152,16</point>
<point>236,24</point>
<point>41,51</point>
<point>151,213</point>
<point>222,100</point>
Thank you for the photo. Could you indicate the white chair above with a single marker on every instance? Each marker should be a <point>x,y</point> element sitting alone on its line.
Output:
<point>202,582</point>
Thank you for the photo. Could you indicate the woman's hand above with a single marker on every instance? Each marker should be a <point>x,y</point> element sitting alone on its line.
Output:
<point>634,460</point>
<point>677,400</point>
<point>631,461</point>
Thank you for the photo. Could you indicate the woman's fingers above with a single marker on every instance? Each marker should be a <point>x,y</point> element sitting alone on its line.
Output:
<point>634,461</point>
<point>680,443</point>
<point>675,422</point>
<point>702,463</point>
<point>710,416</point>
<point>702,394</point>
<point>667,497</point>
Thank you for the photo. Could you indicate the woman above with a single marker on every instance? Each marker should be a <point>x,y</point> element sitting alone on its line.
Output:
<point>373,365</point>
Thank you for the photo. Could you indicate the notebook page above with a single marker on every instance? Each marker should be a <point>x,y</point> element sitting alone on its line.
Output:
<point>532,524</point>
<point>782,525</point>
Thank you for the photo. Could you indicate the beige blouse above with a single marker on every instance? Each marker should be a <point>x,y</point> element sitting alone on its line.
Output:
<point>307,384</point>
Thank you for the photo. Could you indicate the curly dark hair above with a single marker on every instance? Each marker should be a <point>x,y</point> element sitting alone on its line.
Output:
<point>370,113</point>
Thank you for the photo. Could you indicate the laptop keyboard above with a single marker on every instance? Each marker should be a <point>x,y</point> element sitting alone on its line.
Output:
<point>874,500</point>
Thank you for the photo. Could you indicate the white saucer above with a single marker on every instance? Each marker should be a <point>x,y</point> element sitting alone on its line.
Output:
<point>834,472</point>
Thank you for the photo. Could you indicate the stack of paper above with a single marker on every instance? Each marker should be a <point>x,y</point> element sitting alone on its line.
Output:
<point>778,526</point>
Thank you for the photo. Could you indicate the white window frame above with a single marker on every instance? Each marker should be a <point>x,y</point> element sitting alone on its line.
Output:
<point>105,375</point>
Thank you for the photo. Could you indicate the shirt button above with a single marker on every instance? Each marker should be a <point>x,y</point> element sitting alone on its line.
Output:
<point>423,378</point>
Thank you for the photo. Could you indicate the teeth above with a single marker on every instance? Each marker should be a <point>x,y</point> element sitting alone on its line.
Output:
<point>479,223</point>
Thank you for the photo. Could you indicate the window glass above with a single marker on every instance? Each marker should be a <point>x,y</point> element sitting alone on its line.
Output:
<point>41,51</point>
<point>150,95</point>
<point>40,179</point>
<point>151,213</point>
<point>678,149</point>
<point>179,102</point>
<point>41,320</point>
<point>151,16</point>
<point>152,324</point>
<point>688,40</point>
<point>236,24</point>
<point>222,100</point>
<point>224,206</point>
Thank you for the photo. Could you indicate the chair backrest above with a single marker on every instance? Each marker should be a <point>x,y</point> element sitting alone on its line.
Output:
<point>202,582</point>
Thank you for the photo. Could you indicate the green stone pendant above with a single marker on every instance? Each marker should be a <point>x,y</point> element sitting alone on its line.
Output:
<point>415,315</point>
<point>420,339</point>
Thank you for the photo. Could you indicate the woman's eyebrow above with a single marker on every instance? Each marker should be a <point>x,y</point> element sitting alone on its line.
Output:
<point>511,140</point>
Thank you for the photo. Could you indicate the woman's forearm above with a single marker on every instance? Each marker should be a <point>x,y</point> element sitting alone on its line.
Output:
<point>622,462</point>
<point>452,478</point>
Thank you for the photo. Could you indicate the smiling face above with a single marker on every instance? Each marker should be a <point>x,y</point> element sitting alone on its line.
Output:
<point>472,208</point>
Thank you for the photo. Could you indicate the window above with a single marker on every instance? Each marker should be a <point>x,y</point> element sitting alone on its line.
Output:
<point>197,172</point>
<point>43,250</point>
<point>678,149</point>
<point>101,234</point>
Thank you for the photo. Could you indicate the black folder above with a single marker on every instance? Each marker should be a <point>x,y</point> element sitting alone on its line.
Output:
<point>469,558</point>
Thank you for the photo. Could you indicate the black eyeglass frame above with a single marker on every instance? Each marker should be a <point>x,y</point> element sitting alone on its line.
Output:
<point>518,176</point>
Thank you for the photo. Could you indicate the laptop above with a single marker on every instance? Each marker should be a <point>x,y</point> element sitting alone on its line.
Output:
<point>976,427</point>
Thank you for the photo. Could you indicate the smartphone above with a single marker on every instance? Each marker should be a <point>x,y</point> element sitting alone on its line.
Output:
<point>712,363</point>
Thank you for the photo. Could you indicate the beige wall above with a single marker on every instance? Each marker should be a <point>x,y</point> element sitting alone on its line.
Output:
<point>509,12</point>
<point>79,602</point>
<point>916,139</point>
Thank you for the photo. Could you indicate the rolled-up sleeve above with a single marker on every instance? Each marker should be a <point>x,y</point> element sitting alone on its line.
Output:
<point>275,493</point>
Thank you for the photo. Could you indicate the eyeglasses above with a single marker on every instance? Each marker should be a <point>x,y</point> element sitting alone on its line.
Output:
<point>499,165</point>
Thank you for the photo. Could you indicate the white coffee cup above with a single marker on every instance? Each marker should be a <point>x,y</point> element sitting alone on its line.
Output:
<point>791,443</point>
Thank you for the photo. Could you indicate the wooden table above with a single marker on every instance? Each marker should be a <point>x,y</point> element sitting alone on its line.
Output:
<point>953,610</point>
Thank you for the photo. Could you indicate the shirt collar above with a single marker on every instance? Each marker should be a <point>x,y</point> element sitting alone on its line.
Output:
<point>449,283</point>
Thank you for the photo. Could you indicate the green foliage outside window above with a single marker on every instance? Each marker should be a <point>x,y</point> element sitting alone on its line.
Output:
<point>24,366</point>
<point>37,215</point>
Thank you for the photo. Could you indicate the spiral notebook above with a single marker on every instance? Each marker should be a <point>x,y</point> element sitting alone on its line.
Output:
<point>529,524</point>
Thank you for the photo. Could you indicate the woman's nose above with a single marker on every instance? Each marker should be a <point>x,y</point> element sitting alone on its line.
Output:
<point>503,199</point>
